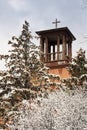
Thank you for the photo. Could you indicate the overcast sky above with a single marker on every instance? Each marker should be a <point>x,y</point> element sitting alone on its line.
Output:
<point>40,14</point>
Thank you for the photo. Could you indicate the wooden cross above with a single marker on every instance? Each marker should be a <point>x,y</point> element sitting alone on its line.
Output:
<point>56,22</point>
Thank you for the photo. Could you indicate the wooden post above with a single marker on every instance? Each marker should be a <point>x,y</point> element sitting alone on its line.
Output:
<point>41,48</point>
<point>47,49</point>
<point>58,43</point>
<point>64,48</point>
<point>54,52</point>
<point>70,50</point>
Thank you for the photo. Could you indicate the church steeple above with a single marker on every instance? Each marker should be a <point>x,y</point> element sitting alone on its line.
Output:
<point>56,45</point>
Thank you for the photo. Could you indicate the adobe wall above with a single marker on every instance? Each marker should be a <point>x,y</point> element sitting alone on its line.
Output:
<point>62,72</point>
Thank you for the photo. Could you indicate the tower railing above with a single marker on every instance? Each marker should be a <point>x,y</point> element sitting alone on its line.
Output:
<point>51,57</point>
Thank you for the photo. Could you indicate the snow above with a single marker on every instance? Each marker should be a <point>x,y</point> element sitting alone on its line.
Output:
<point>1,90</point>
<point>85,65</point>
<point>60,111</point>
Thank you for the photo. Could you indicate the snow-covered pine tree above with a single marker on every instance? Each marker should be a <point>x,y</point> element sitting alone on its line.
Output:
<point>26,76</point>
<point>78,70</point>
<point>23,66</point>
<point>78,66</point>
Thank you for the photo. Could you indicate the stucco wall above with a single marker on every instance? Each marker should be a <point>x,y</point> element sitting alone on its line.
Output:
<point>63,72</point>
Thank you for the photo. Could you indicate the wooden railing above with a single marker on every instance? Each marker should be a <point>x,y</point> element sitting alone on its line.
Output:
<point>52,57</point>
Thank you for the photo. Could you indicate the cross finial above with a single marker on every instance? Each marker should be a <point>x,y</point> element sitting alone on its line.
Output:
<point>56,22</point>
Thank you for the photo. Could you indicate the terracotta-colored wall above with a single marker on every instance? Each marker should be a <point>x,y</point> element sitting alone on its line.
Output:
<point>62,72</point>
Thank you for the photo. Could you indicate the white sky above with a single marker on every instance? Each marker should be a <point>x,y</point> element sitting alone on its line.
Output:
<point>40,14</point>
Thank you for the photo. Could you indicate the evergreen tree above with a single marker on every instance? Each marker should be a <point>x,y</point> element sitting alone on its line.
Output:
<point>78,70</point>
<point>26,76</point>
<point>78,66</point>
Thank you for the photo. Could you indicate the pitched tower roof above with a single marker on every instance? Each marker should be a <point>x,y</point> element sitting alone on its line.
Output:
<point>57,30</point>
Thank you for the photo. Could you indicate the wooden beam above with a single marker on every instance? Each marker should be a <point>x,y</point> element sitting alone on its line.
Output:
<point>46,39</point>
<point>70,50</point>
<point>54,52</point>
<point>64,48</point>
<point>41,48</point>
<point>58,44</point>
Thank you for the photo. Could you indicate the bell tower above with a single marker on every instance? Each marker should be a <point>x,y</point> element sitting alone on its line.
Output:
<point>56,45</point>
